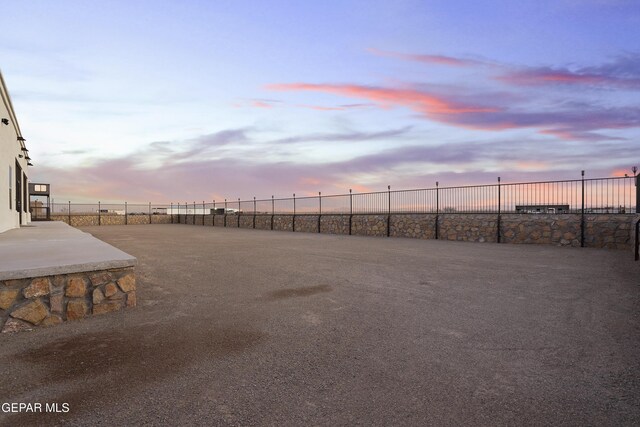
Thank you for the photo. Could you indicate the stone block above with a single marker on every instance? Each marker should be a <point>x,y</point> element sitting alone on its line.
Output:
<point>56,303</point>
<point>100,278</point>
<point>38,287</point>
<point>76,288</point>
<point>98,296</point>
<point>57,284</point>
<point>110,290</point>
<point>107,307</point>
<point>33,312</point>
<point>8,297</point>
<point>127,283</point>
<point>77,309</point>
<point>131,299</point>
<point>15,325</point>
<point>16,283</point>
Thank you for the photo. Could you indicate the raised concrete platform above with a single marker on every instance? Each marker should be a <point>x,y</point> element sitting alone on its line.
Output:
<point>51,273</point>
<point>53,248</point>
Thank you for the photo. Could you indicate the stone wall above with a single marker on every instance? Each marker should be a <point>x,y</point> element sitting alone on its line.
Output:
<point>416,226</point>
<point>283,222</point>
<point>246,221</point>
<point>601,231</point>
<point>369,225</point>
<point>307,223</point>
<point>263,222</point>
<point>88,220</point>
<point>613,231</point>
<point>47,301</point>
<point>468,227</point>
<point>334,224</point>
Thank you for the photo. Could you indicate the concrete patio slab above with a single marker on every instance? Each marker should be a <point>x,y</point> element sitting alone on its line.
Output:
<point>50,248</point>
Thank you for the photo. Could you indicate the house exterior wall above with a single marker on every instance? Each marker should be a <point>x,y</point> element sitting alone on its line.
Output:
<point>10,149</point>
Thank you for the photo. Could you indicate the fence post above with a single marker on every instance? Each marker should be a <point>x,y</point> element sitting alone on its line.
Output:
<point>499,209</point>
<point>69,212</point>
<point>350,210</point>
<point>203,211</point>
<point>272,211</point>
<point>254,212</point>
<point>225,212</point>
<point>171,212</point>
<point>149,212</point>
<point>293,220</point>
<point>389,213</point>
<point>635,169</point>
<point>320,211</point>
<point>582,215</point>
<point>126,214</point>
<point>194,212</point>
<point>238,212</point>
<point>213,220</point>
<point>99,219</point>
<point>437,208</point>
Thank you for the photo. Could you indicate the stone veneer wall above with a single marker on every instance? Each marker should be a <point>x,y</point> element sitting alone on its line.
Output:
<point>307,223</point>
<point>416,226</point>
<point>613,231</point>
<point>47,301</point>
<point>468,227</point>
<point>88,220</point>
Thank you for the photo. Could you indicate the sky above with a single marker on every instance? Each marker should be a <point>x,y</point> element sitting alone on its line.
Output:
<point>167,101</point>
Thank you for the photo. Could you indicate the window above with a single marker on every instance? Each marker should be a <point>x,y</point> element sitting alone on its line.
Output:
<point>40,188</point>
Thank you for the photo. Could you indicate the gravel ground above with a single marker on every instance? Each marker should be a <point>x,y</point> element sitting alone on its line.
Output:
<point>249,327</point>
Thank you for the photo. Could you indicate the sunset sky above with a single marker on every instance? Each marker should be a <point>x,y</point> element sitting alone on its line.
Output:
<point>197,100</point>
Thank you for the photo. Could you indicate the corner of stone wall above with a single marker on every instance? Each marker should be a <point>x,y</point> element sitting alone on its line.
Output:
<point>46,301</point>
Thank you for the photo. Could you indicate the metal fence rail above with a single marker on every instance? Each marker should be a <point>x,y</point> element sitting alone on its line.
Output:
<point>614,195</point>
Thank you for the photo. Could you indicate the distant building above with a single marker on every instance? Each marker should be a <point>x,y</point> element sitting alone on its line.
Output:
<point>607,209</point>
<point>190,210</point>
<point>542,209</point>
<point>14,164</point>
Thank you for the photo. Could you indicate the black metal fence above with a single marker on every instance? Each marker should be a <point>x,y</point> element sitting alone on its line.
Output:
<point>614,195</point>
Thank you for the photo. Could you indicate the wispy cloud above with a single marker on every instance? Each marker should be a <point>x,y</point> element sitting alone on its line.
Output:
<point>623,72</point>
<point>568,121</point>
<point>421,101</point>
<point>350,136</point>
<point>427,58</point>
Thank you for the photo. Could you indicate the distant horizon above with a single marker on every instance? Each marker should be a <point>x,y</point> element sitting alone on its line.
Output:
<point>158,101</point>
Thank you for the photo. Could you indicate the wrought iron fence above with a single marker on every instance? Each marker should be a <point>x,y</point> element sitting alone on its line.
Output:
<point>613,195</point>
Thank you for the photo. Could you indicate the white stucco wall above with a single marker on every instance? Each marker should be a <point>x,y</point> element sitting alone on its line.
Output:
<point>10,149</point>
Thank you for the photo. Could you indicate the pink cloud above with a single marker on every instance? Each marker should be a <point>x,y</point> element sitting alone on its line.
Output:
<point>546,76</point>
<point>261,104</point>
<point>423,102</point>
<point>577,135</point>
<point>430,59</point>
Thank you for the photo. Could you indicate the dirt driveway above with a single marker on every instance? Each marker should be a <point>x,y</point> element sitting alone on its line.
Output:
<point>248,327</point>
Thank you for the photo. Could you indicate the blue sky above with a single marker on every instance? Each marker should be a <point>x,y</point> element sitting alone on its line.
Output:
<point>198,100</point>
